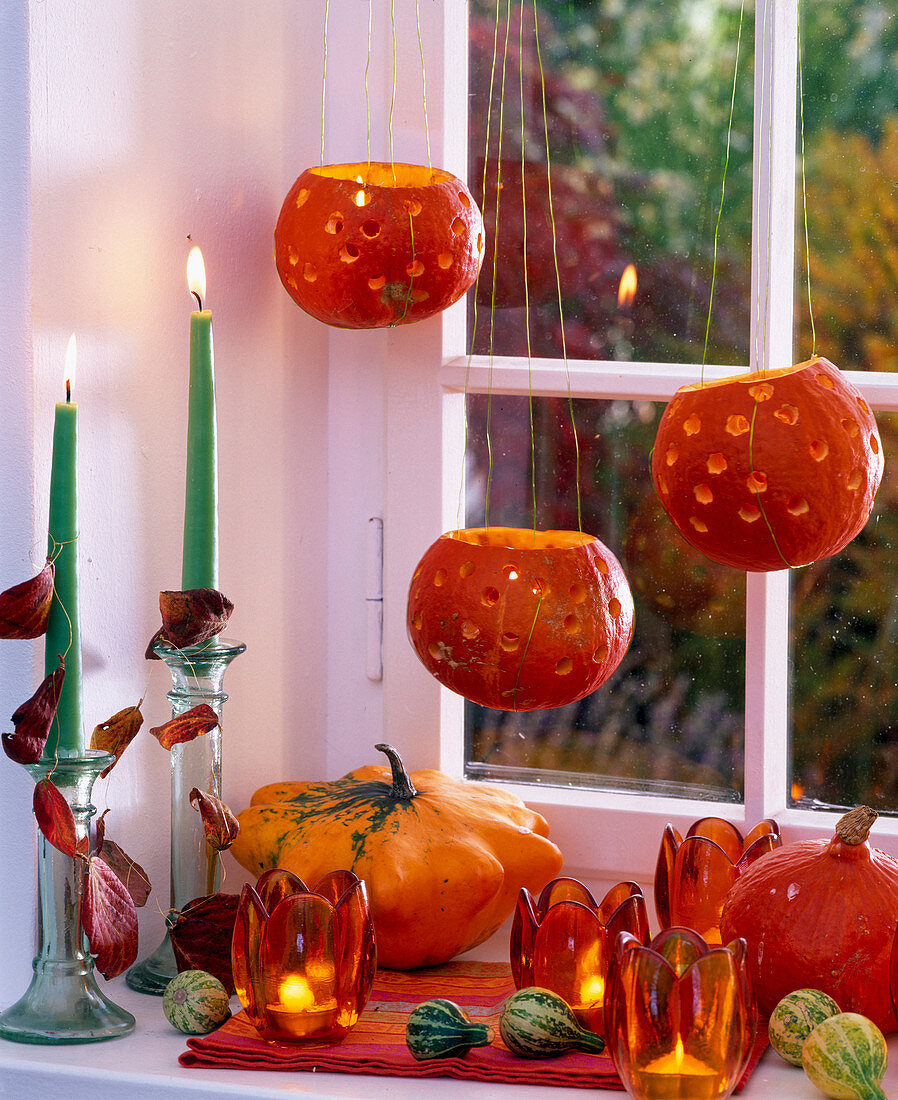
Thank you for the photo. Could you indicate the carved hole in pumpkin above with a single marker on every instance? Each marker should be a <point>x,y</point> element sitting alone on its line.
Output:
<point>414,269</point>
<point>855,480</point>
<point>511,572</point>
<point>541,587</point>
<point>757,482</point>
<point>419,295</point>
<point>445,260</point>
<point>614,607</point>
<point>418,620</point>
<point>436,651</point>
<point>798,506</point>
<point>377,282</point>
<point>762,392</point>
<point>310,273</point>
<point>349,253</point>
<point>292,256</point>
<point>510,642</point>
<point>703,493</point>
<point>863,406</point>
<point>578,592</point>
<point>602,566</point>
<point>371,229</point>
<point>466,569</point>
<point>334,223</point>
<point>662,485</point>
<point>874,444</point>
<point>600,655</point>
<point>464,200</point>
<point>717,463</point>
<point>490,597</point>
<point>413,207</point>
<point>479,242</point>
<point>564,666</point>
<point>699,525</point>
<point>819,449</point>
<point>572,624</point>
<point>825,381</point>
<point>302,197</point>
<point>692,425</point>
<point>850,426</point>
<point>788,414</point>
<point>749,513</point>
<point>440,577</point>
<point>291,282</point>
<point>737,424</point>
<point>458,227</point>
<point>469,630</point>
<point>672,454</point>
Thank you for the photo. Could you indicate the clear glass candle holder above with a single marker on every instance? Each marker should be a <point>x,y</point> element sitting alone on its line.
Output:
<point>680,1019</point>
<point>303,960</point>
<point>694,875</point>
<point>562,941</point>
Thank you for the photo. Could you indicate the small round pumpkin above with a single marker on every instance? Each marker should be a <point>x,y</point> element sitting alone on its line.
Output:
<point>368,245</point>
<point>766,471</point>
<point>195,1002</point>
<point>821,914</point>
<point>518,619</point>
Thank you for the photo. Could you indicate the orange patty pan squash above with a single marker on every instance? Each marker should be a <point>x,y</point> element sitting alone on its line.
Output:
<point>443,859</point>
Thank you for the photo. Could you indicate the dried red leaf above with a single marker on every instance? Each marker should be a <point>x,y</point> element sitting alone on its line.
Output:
<point>109,918</point>
<point>219,824</point>
<point>201,936</point>
<point>34,719</point>
<point>132,876</point>
<point>54,817</point>
<point>191,724</point>
<point>193,616</point>
<point>100,832</point>
<point>24,607</point>
<point>116,734</point>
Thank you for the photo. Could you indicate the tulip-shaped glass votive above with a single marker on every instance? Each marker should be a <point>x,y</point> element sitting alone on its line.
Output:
<point>303,960</point>
<point>562,941</point>
<point>680,1019</point>
<point>693,876</point>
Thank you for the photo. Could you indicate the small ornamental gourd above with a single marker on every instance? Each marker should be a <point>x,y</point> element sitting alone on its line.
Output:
<point>440,1029</point>
<point>537,1023</point>
<point>195,1002</point>
<point>443,859</point>
<point>846,1057</point>
<point>795,1017</point>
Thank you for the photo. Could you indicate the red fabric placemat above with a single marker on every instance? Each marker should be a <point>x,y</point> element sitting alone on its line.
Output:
<point>376,1045</point>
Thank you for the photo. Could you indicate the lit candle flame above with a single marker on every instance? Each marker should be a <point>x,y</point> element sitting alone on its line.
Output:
<point>196,274</point>
<point>295,994</point>
<point>71,361</point>
<point>626,292</point>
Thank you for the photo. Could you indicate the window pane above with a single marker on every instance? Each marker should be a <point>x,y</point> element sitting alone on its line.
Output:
<point>670,720</point>
<point>637,100</point>
<point>845,619</point>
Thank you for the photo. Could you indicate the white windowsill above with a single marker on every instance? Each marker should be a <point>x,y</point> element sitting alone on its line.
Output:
<point>144,1066</point>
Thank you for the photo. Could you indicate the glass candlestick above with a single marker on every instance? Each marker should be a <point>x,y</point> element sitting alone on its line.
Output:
<point>197,673</point>
<point>63,1003</point>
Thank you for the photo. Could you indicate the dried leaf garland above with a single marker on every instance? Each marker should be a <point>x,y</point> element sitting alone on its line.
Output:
<point>132,876</point>
<point>190,617</point>
<point>201,936</point>
<point>219,824</point>
<point>116,734</point>
<point>54,817</point>
<point>24,607</point>
<point>34,719</point>
<point>109,918</point>
<point>186,727</point>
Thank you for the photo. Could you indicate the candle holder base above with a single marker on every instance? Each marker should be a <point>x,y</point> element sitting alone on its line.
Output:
<point>155,972</point>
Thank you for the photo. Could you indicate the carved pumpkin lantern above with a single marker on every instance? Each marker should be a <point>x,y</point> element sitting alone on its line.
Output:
<point>766,471</point>
<point>518,619</point>
<point>374,244</point>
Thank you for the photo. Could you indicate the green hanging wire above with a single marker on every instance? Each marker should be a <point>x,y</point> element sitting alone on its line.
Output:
<point>804,187</point>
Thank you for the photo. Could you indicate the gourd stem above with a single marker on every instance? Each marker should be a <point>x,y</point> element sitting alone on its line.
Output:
<point>403,789</point>
<point>590,1043</point>
<point>854,827</point>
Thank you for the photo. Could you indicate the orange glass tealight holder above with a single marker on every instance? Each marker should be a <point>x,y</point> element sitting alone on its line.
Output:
<point>693,876</point>
<point>303,960</point>
<point>680,1019</point>
<point>562,941</point>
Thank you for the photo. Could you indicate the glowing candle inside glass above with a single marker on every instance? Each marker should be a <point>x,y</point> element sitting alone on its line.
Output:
<point>679,1076</point>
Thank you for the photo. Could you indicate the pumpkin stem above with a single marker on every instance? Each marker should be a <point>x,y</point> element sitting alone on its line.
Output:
<point>854,827</point>
<point>403,789</point>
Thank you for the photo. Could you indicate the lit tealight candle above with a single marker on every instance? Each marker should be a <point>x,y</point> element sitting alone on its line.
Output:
<point>678,1076</point>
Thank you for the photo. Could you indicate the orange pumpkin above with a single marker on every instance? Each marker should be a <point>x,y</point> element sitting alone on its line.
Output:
<point>368,245</point>
<point>766,471</point>
<point>518,619</point>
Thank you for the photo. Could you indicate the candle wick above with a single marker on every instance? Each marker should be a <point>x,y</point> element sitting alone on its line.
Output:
<point>199,300</point>
<point>68,391</point>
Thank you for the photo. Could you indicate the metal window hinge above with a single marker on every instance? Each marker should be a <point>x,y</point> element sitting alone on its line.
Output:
<point>374,598</point>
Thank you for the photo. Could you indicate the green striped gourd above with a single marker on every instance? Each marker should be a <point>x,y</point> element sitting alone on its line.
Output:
<point>795,1017</point>
<point>537,1023</point>
<point>195,1002</point>
<point>846,1057</point>
<point>440,1029</point>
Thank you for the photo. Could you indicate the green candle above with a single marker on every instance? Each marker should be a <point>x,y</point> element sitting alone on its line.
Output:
<point>199,563</point>
<point>64,624</point>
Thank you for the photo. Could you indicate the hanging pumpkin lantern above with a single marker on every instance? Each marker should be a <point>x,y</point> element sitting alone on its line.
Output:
<point>520,619</point>
<point>368,245</point>
<point>766,471</point>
